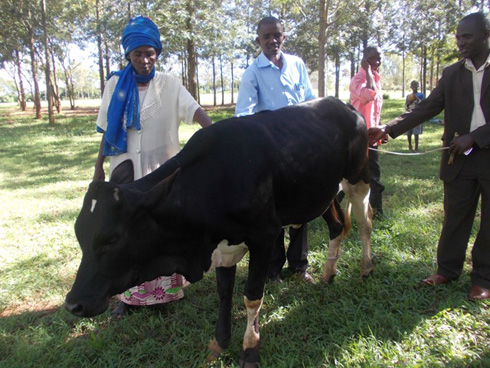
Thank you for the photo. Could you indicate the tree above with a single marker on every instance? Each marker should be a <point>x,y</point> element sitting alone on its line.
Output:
<point>330,13</point>
<point>49,84</point>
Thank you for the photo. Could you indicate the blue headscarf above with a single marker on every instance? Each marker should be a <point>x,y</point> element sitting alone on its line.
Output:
<point>140,31</point>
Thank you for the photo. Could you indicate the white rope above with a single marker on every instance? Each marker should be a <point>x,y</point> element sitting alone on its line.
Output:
<point>411,153</point>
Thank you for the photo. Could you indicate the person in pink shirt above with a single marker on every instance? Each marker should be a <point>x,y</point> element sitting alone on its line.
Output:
<point>366,96</point>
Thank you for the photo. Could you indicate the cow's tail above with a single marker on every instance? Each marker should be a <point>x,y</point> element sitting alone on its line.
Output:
<point>338,221</point>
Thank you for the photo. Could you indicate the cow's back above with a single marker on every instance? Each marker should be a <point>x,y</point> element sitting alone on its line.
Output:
<point>292,159</point>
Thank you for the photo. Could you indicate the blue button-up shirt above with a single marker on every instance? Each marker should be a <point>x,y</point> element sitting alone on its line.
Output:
<point>266,87</point>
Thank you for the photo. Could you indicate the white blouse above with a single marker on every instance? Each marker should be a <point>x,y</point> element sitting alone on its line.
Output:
<point>163,106</point>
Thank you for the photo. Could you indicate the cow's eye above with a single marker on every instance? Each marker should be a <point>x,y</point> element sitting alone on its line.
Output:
<point>105,242</point>
<point>112,241</point>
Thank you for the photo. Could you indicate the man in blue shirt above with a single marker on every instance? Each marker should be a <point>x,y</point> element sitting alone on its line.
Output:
<point>275,80</point>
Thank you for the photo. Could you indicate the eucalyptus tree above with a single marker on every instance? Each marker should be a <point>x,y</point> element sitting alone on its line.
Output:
<point>234,49</point>
<point>250,13</point>
<point>49,82</point>
<point>179,22</point>
<point>104,23</point>
<point>343,26</point>
<point>12,46</point>
<point>60,27</point>
<point>19,33</point>
<point>211,47</point>
<point>429,32</point>
<point>401,32</point>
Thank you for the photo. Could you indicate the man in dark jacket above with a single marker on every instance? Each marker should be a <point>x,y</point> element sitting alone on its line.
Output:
<point>463,93</point>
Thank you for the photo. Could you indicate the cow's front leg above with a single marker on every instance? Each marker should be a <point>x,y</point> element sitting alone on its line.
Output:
<point>225,277</point>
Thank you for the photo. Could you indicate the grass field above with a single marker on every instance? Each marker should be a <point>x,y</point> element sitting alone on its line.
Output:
<point>385,321</point>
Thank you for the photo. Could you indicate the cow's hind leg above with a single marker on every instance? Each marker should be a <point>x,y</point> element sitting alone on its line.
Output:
<point>225,277</point>
<point>335,219</point>
<point>358,195</point>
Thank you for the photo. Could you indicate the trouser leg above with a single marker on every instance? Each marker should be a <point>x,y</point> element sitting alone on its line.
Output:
<point>298,249</point>
<point>375,197</point>
<point>460,202</point>
<point>278,257</point>
<point>480,274</point>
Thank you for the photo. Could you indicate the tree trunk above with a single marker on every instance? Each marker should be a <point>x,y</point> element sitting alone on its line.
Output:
<point>49,84</point>
<point>214,80</point>
<point>337,74</point>
<point>403,73</point>
<point>232,83</point>
<point>222,82</point>
<point>438,65</point>
<point>322,40</point>
<point>182,67</point>
<point>99,47</point>
<point>56,89</point>
<point>352,64</point>
<point>431,72</point>
<point>424,74</point>
<point>22,93</point>
<point>37,95</point>
<point>197,82</point>
<point>70,89</point>
<point>191,50</point>
<point>365,31</point>
<point>107,57</point>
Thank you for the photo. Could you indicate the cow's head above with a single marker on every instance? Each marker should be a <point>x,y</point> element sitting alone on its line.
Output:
<point>111,229</point>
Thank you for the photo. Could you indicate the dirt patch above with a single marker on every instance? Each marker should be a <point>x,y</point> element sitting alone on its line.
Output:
<point>41,309</point>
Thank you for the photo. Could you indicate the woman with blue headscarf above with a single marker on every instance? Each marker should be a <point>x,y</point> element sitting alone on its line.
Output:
<point>139,117</point>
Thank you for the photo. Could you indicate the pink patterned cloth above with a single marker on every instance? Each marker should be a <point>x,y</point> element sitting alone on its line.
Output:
<point>163,289</point>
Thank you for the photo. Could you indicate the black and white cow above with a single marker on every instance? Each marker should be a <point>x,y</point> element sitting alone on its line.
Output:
<point>231,189</point>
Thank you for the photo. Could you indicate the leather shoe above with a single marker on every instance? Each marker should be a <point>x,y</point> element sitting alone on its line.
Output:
<point>435,279</point>
<point>276,279</point>
<point>478,293</point>
<point>306,277</point>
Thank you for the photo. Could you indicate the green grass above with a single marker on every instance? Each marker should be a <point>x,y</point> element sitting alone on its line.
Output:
<point>385,321</point>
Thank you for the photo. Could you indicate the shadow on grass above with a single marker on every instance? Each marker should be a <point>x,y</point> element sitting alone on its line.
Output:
<point>329,322</point>
<point>37,154</point>
<point>301,325</point>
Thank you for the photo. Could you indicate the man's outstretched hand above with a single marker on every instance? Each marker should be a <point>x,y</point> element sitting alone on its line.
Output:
<point>377,134</point>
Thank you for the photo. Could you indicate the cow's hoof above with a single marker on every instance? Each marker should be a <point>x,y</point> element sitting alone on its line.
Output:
<point>249,358</point>
<point>329,279</point>
<point>122,309</point>
<point>214,351</point>
<point>243,364</point>
<point>366,275</point>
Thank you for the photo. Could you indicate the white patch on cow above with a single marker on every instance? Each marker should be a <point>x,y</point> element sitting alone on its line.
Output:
<point>116,194</point>
<point>94,202</point>
<point>227,255</point>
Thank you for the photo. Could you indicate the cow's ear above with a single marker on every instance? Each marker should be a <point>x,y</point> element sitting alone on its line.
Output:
<point>160,191</point>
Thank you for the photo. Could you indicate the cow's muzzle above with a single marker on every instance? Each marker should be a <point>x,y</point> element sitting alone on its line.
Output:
<point>85,309</point>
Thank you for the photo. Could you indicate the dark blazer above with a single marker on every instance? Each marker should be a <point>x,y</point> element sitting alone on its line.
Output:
<point>454,95</point>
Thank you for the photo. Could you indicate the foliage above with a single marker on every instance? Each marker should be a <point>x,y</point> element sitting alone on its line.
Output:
<point>385,321</point>
<point>225,31</point>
